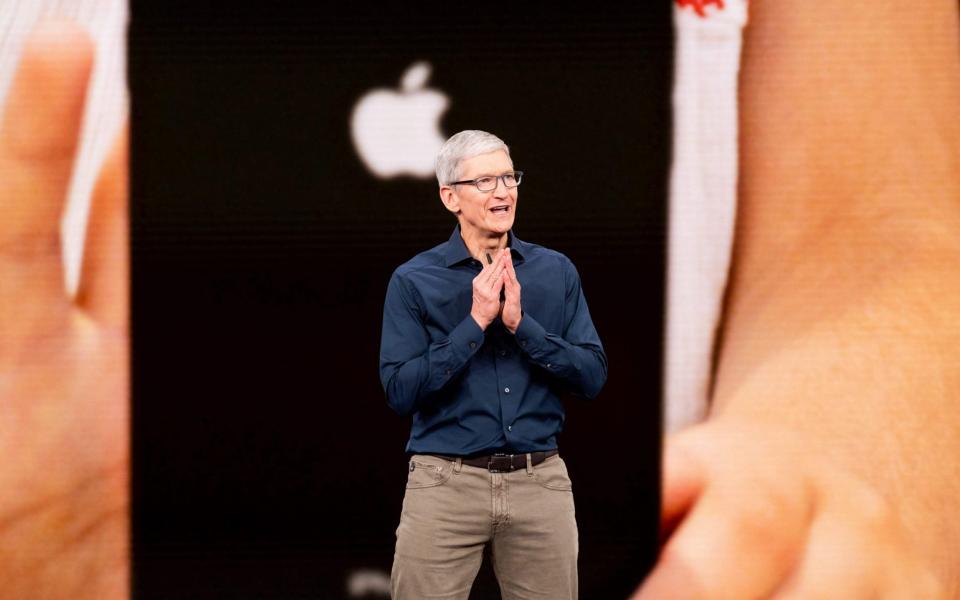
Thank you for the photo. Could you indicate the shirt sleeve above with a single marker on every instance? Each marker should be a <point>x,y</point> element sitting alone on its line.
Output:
<point>575,355</point>
<point>411,367</point>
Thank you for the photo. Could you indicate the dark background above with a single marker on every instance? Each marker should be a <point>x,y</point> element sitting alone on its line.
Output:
<point>266,461</point>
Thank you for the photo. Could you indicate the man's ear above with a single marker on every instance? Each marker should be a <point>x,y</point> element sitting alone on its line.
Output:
<point>450,199</point>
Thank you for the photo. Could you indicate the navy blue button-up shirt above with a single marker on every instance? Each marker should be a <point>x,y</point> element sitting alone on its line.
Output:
<point>472,391</point>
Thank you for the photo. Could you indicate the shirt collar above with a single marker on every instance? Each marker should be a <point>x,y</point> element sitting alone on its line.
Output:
<point>457,251</point>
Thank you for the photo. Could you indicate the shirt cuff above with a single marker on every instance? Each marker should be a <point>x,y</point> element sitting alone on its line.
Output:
<point>466,338</point>
<point>530,335</point>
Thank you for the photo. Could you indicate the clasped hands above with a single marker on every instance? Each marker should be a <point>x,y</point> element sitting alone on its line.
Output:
<point>487,306</point>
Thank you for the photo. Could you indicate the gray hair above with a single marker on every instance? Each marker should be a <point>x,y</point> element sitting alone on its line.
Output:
<point>460,147</point>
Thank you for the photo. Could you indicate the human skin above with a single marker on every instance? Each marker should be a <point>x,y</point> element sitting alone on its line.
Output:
<point>486,292</point>
<point>485,232</point>
<point>63,361</point>
<point>830,464</point>
<point>832,446</point>
<point>482,229</point>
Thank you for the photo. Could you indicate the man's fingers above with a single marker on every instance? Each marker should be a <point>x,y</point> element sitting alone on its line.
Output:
<point>38,138</point>
<point>511,286</point>
<point>495,281</point>
<point>489,266</point>
<point>724,532</point>
<point>857,548</point>
<point>683,481</point>
<point>491,277</point>
<point>716,523</point>
<point>836,565</point>
<point>104,278</point>
<point>40,129</point>
<point>507,261</point>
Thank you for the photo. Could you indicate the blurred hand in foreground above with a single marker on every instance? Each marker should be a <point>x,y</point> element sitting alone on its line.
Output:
<point>64,495</point>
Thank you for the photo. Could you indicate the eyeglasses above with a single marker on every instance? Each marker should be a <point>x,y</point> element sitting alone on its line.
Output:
<point>488,183</point>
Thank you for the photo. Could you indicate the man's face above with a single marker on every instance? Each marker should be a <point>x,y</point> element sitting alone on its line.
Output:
<point>485,214</point>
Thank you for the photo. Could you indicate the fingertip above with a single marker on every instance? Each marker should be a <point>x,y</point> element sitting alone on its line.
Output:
<point>59,33</point>
<point>111,188</point>
<point>113,175</point>
<point>47,96</point>
<point>103,288</point>
<point>59,48</point>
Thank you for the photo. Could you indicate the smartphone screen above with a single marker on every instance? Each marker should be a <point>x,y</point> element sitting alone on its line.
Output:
<point>269,209</point>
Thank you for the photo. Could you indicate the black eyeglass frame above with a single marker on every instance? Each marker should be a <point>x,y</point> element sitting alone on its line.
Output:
<point>517,174</point>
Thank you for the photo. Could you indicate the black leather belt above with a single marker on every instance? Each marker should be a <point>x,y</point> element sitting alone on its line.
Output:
<point>503,463</point>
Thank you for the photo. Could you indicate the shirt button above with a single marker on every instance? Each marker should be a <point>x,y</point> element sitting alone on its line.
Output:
<point>549,365</point>
<point>503,353</point>
<point>507,390</point>
<point>473,344</point>
<point>523,342</point>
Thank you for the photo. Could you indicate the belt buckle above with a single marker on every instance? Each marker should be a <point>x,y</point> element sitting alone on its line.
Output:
<point>500,463</point>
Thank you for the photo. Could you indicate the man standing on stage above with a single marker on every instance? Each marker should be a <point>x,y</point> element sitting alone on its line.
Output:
<point>480,367</point>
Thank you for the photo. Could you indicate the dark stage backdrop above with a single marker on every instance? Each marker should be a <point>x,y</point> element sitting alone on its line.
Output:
<point>266,461</point>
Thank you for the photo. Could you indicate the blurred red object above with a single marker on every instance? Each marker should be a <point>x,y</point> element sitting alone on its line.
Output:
<point>700,5</point>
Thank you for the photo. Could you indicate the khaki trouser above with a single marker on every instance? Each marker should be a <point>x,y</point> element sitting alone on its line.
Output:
<point>451,511</point>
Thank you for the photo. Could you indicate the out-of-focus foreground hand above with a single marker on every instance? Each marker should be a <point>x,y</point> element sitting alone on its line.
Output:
<point>63,361</point>
<point>752,511</point>
<point>829,465</point>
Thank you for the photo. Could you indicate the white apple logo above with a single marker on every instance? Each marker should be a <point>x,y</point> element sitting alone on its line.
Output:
<point>398,133</point>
